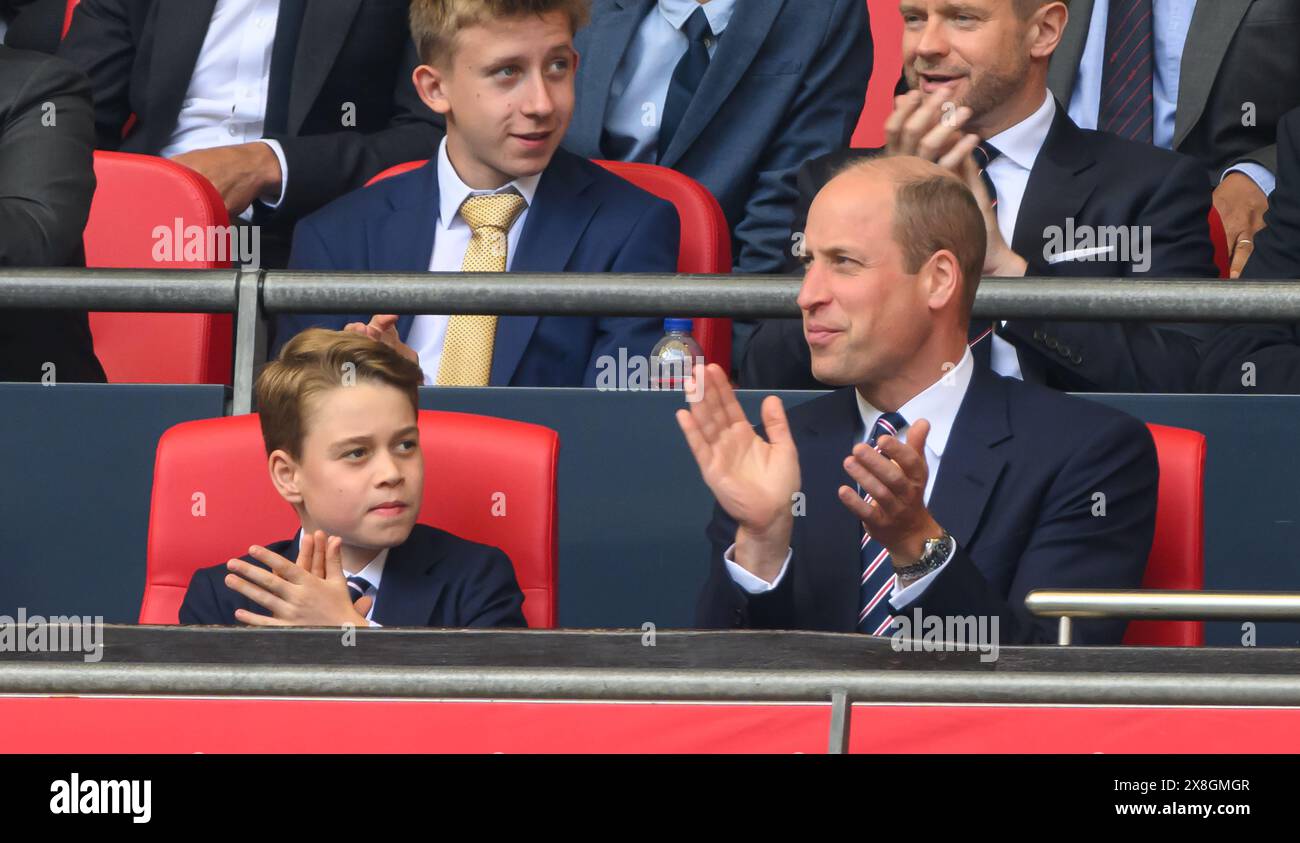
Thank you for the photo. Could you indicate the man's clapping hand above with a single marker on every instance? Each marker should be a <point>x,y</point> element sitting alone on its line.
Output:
<point>753,480</point>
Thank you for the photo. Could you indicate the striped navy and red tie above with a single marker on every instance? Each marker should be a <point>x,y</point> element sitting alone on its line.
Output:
<point>875,614</point>
<point>1126,106</point>
<point>357,587</point>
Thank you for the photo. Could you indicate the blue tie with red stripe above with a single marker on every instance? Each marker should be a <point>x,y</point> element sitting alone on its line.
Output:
<point>357,587</point>
<point>1127,107</point>
<point>874,612</point>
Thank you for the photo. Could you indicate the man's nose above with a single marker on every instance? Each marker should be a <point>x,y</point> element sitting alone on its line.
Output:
<point>813,290</point>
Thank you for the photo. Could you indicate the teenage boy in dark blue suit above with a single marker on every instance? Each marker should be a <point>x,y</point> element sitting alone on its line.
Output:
<point>338,414</point>
<point>979,488</point>
<point>498,196</point>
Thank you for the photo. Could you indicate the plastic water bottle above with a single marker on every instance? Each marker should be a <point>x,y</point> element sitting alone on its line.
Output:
<point>674,357</point>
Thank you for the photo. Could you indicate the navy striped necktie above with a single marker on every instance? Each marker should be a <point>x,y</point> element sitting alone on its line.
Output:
<point>874,612</point>
<point>1127,107</point>
<point>984,154</point>
<point>357,587</point>
<point>686,77</point>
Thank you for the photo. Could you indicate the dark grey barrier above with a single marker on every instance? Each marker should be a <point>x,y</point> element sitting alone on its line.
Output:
<point>624,666</point>
<point>78,468</point>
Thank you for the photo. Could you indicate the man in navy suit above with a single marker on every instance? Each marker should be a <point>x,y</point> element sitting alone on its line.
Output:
<point>1068,202</point>
<point>1265,358</point>
<point>734,94</point>
<point>505,87</point>
<point>978,488</point>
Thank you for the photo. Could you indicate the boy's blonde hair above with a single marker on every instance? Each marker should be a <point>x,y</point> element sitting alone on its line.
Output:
<point>314,362</point>
<point>435,23</point>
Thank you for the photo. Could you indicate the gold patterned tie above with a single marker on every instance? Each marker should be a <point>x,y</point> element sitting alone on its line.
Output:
<point>467,350</point>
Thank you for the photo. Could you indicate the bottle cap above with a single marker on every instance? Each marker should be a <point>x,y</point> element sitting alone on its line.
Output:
<point>682,325</point>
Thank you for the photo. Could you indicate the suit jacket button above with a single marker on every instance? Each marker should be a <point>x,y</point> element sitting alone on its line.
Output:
<point>1076,359</point>
<point>1039,336</point>
<point>1052,343</point>
<point>1064,351</point>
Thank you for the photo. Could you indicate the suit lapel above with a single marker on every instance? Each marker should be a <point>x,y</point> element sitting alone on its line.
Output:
<point>1213,26</point>
<point>970,467</point>
<point>1063,179</point>
<point>831,561</point>
<point>402,241</point>
<point>403,598</point>
<point>1064,67</point>
<point>179,29</point>
<point>606,41</point>
<point>325,27</point>
<point>737,46</point>
<point>559,215</point>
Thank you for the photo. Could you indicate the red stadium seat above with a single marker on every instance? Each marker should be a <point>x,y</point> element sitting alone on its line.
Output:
<point>67,15</point>
<point>212,498</point>
<point>1219,237</point>
<point>137,194</point>
<point>705,237</point>
<point>1177,559</point>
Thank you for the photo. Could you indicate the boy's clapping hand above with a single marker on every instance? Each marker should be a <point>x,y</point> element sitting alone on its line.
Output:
<point>313,592</point>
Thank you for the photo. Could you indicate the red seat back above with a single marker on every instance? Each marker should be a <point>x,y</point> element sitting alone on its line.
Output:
<point>1177,559</point>
<point>67,15</point>
<point>136,197</point>
<point>705,247</point>
<point>486,479</point>
<point>1219,237</point>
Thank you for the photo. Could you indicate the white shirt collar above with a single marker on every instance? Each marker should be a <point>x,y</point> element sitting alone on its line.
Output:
<point>452,192</point>
<point>374,570</point>
<point>718,12</point>
<point>938,404</point>
<point>1022,142</point>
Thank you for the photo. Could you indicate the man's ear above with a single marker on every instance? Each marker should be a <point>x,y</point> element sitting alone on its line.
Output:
<point>284,475</point>
<point>429,83</point>
<point>1045,29</point>
<point>941,277</point>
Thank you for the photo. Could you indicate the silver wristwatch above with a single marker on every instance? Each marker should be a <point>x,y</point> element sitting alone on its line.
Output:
<point>937,551</point>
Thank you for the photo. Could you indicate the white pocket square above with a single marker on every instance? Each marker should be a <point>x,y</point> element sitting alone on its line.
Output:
<point>1079,254</point>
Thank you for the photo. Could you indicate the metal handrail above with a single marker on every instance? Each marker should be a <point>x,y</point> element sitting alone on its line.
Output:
<point>1067,604</point>
<point>873,686</point>
<point>740,296</point>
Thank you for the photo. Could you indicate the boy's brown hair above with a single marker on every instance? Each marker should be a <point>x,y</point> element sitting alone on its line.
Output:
<point>314,362</point>
<point>434,23</point>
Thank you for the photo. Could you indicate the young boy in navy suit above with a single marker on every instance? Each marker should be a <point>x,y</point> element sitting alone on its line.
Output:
<point>339,421</point>
<point>498,196</point>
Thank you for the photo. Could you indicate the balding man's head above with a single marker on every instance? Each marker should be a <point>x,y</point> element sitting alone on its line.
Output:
<point>933,210</point>
<point>895,251</point>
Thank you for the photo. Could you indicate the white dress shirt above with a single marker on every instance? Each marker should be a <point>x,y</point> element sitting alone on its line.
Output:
<point>225,103</point>
<point>640,85</point>
<point>1010,171</point>
<point>1171,21</point>
<point>373,573</point>
<point>937,404</point>
<point>450,242</point>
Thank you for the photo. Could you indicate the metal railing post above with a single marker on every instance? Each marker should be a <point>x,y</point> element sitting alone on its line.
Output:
<point>250,339</point>
<point>841,721</point>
